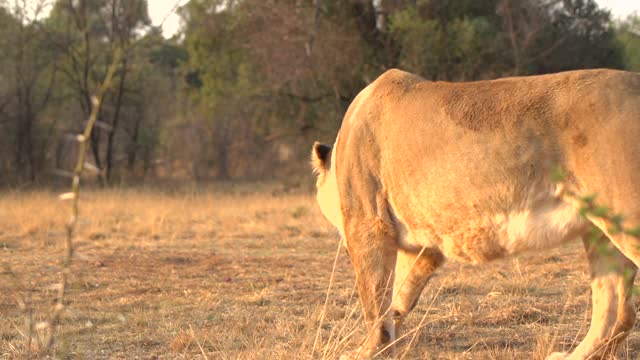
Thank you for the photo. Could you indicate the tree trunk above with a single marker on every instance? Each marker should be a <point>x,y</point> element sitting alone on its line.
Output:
<point>116,121</point>
<point>381,15</point>
<point>132,150</point>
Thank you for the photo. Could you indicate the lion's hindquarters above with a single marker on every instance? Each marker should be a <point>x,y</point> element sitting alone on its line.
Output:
<point>476,185</point>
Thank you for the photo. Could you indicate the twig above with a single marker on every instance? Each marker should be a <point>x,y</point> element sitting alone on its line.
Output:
<point>74,196</point>
<point>173,9</point>
<point>204,354</point>
<point>326,300</point>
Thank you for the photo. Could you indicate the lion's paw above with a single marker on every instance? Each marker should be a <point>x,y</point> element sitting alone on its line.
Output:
<point>557,356</point>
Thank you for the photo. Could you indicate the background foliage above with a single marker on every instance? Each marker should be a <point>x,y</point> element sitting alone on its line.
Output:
<point>247,85</point>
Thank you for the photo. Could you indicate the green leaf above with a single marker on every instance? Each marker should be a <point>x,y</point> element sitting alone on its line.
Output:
<point>588,199</point>
<point>558,175</point>
<point>635,232</point>
<point>600,211</point>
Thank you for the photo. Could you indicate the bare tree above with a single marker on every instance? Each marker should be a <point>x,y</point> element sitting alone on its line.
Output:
<point>33,77</point>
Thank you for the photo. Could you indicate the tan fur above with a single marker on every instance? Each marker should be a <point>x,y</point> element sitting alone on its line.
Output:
<point>425,170</point>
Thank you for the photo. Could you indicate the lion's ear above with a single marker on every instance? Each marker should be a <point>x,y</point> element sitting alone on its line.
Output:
<point>320,157</point>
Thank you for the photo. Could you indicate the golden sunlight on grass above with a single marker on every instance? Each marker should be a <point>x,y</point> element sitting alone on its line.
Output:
<point>241,273</point>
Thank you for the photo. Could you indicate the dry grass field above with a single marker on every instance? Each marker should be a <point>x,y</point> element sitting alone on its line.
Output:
<point>242,272</point>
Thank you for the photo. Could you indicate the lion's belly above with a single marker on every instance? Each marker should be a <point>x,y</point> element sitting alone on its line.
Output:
<point>478,239</point>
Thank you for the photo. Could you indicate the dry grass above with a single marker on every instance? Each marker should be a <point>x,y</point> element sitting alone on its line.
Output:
<point>241,273</point>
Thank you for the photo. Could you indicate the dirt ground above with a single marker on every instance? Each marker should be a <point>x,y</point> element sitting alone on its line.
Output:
<point>241,272</point>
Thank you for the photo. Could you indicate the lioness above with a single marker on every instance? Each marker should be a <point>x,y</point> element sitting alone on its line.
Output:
<point>422,171</point>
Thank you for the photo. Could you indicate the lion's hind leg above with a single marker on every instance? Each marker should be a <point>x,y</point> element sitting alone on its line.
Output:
<point>373,251</point>
<point>613,313</point>
<point>413,270</point>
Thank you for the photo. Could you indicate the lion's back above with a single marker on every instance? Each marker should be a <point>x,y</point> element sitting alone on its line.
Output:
<point>446,152</point>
